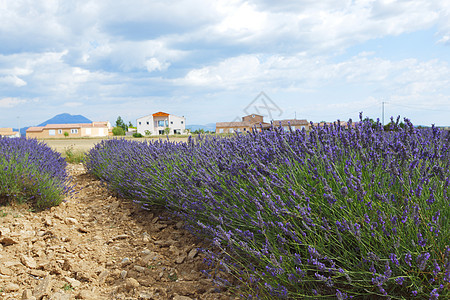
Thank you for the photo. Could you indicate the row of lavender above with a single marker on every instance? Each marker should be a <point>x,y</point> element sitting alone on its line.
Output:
<point>32,172</point>
<point>334,212</point>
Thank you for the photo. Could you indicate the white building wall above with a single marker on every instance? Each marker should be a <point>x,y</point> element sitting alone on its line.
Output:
<point>145,123</point>
<point>175,123</point>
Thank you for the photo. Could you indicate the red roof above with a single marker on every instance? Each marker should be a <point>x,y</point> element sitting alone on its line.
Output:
<point>160,114</point>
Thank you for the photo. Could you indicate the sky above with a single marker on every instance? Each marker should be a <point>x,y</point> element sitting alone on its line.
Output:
<point>216,61</point>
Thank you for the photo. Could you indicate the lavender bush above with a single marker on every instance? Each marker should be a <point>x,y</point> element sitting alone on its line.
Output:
<point>337,212</point>
<point>32,172</point>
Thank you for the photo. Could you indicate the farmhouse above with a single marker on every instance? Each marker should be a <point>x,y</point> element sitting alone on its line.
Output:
<point>8,132</point>
<point>252,121</point>
<point>160,122</point>
<point>94,129</point>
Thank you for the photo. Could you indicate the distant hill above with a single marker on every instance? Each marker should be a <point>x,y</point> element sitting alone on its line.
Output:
<point>207,127</point>
<point>66,119</point>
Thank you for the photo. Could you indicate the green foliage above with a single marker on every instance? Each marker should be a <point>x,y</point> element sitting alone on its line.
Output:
<point>137,135</point>
<point>74,157</point>
<point>66,134</point>
<point>118,131</point>
<point>148,132</point>
<point>166,130</point>
<point>120,123</point>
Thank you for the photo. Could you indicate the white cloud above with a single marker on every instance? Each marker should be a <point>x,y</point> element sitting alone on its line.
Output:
<point>73,104</point>
<point>12,80</point>
<point>11,102</point>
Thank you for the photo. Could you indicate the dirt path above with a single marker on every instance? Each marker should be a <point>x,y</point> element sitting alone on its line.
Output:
<point>95,246</point>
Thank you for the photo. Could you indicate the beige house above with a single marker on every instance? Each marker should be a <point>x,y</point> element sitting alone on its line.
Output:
<point>247,124</point>
<point>94,129</point>
<point>256,121</point>
<point>8,132</point>
<point>293,123</point>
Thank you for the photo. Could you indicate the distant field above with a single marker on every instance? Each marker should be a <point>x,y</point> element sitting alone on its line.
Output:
<point>84,144</point>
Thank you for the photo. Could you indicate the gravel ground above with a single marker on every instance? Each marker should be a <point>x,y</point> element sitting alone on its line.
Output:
<point>96,246</point>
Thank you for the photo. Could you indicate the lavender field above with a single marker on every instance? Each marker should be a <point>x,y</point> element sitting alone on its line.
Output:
<point>31,172</point>
<point>336,212</point>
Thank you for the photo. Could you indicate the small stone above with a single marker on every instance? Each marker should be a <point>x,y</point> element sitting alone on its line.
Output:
<point>43,288</point>
<point>4,231</point>
<point>48,221</point>
<point>178,297</point>
<point>146,251</point>
<point>86,294</point>
<point>6,271</point>
<point>28,261</point>
<point>27,294</point>
<point>120,237</point>
<point>60,296</point>
<point>179,225</point>
<point>192,253</point>
<point>132,283</point>
<point>6,241</point>
<point>73,282</point>
<point>123,274</point>
<point>139,269</point>
<point>11,287</point>
<point>103,276</point>
<point>180,259</point>
<point>125,261</point>
<point>71,221</point>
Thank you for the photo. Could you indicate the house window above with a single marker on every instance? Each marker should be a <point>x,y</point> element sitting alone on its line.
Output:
<point>171,122</point>
<point>167,123</point>
<point>139,123</point>
<point>182,122</point>
<point>73,130</point>
<point>59,131</point>
<point>51,132</point>
<point>160,123</point>
<point>221,130</point>
<point>148,123</point>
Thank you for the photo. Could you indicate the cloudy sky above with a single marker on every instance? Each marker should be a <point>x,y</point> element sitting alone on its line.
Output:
<point>210,60</point>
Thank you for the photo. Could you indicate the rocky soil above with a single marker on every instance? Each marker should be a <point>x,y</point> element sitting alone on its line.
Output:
<point>96,246</point>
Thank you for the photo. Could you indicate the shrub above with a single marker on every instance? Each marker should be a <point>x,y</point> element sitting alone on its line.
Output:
<point>32,172</point>
<point>137,135</point>
<point>73,156</point>
<point>118,131</point>
<point>332,213</point>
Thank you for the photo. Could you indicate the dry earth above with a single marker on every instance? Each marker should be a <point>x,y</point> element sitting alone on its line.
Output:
<point>96,246</point>
<point>84,144</point>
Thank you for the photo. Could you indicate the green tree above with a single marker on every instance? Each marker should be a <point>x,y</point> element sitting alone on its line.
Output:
<point>120,123</point>
<point>66,134</point>
<point>166,130</point>
<point>118,131</point>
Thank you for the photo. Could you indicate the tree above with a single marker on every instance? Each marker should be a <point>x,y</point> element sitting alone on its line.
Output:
<point>66,134</point>
<point>118,131</point>
<point>120,123</point>
<point>167,131</point>
<point>130,124</point>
